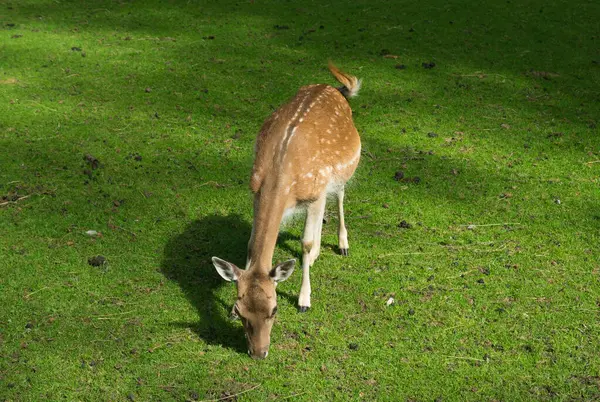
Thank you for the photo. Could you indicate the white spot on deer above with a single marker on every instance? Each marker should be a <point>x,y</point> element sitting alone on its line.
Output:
<point>328,131</point>
<point>308,175</point>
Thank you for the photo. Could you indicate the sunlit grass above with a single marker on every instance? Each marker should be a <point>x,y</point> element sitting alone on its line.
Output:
<point>494,275</point>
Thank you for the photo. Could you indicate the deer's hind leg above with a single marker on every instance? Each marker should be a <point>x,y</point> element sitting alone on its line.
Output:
<point>342,232</point>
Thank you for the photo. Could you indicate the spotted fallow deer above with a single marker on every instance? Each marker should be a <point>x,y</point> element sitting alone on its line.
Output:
<point>307,149</point>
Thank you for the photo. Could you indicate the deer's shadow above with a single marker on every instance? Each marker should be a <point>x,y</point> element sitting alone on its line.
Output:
<point>187,261</point>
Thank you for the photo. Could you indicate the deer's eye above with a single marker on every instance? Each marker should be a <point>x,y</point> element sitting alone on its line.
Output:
<point>274,312</point>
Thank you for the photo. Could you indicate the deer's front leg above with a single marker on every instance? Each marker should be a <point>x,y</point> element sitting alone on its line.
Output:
<point>314,217</point>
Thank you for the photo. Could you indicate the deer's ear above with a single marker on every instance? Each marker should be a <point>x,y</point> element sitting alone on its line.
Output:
<point>227,270</point>
<point>282,271</point>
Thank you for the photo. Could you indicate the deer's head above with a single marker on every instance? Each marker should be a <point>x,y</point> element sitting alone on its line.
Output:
<point>256,303</point>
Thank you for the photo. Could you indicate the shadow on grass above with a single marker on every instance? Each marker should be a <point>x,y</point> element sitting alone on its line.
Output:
<point>187,261</point>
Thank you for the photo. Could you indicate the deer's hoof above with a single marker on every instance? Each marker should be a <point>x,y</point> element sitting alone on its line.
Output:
<point>303,309</point>
<point>344,252</point>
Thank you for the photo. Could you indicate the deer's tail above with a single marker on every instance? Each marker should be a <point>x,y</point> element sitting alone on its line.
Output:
<point>351,84</point>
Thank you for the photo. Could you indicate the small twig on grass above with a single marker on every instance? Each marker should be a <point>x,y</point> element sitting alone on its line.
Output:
<point>462,274</point>
<point>567,307</point>
<point>293,395</point>
<point>231,396</point>
<point>164,39</point>
<point>369,154</point>
<point>492,224</point>
<point>451,247</point>
<point>403,159</point>
<point>15,201</point>
<point>213,183</point>
<point>44,106</point>
<point>464,358</point>
<point>496,250</point>
<point>120,129</point>
<point>478,74</point>
<point>590,162</point>
<point>28,295</point>
<point>113,226</point>
<point>112,316</point>
<point>395,254</point>
<point>126,230</point>
<point>482,243</point>
<point>479,243</point>
<point>453,327</point>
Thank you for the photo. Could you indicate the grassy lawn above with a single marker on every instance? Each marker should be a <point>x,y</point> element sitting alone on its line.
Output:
<point>475,205</point>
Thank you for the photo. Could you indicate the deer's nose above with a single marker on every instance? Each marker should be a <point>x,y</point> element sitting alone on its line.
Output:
<point>259,355</point>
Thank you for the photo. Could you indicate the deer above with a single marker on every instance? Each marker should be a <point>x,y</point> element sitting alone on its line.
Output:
<point>308,148</point>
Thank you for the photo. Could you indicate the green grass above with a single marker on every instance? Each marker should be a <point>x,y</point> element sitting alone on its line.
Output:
<point>168,97</point>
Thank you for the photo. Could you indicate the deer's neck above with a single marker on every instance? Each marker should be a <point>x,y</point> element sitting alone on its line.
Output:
<point>269,206</point>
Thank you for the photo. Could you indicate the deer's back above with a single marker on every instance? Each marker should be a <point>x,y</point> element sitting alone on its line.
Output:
<point>307,146</point>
